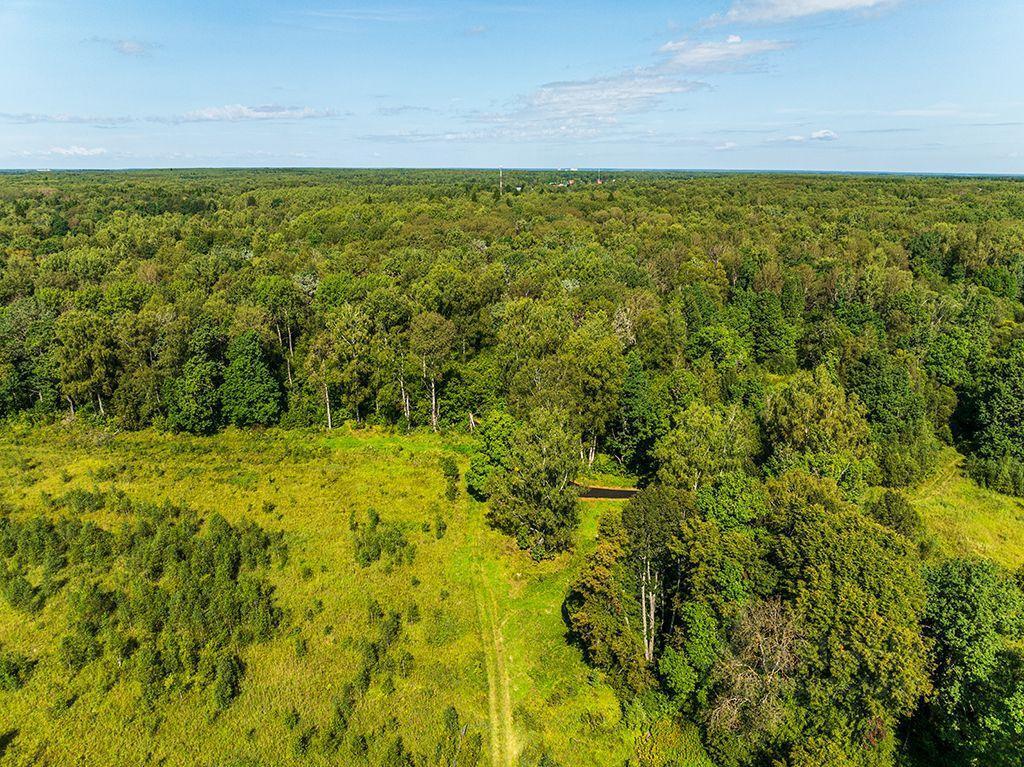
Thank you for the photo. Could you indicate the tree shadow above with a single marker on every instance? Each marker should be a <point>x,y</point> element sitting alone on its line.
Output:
<point>6,739</point>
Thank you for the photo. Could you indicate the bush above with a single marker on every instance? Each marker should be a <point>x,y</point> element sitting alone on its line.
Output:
<point>1004,475</point>
<point>894,511</point>
<point>450,469</point>
<point>15,670</point>
<point>228,680</point>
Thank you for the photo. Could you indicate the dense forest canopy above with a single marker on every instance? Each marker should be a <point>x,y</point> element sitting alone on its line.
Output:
<point>773,358</point>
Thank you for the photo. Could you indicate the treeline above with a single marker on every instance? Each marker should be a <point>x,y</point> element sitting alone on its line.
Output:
<point>194,301</point>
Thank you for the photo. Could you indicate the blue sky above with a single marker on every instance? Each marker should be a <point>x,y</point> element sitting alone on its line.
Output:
<point>863,85</point>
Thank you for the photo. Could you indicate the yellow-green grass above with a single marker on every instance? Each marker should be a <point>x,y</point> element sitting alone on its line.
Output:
<point>968,520</point>
<point>491,641</point>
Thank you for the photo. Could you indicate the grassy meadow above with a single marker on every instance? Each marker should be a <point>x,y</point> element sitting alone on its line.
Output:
<point>968,520</point>
<point>489,637</point>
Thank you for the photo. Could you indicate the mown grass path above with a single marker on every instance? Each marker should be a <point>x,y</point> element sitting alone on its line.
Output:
<point>499,693</point>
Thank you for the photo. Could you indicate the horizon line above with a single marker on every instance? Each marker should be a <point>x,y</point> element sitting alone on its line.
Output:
<point>526,169</point>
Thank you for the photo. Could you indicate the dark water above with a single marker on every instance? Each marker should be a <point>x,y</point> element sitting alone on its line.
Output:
<point>608,493</point>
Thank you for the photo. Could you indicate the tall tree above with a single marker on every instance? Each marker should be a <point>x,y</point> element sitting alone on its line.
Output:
<point>432,342</point>
<point>535,500</point>
<point>86,358</point>
<point>705,441</point>
<point>249,394</point>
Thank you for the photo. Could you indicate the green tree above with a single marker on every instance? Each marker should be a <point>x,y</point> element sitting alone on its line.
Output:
<point>975,621</point>
<point>705,441</point>
<point>649,520</point>
<point>594,366</point>
<point>249,394</point>
<point>494,455</point>
<point>86,358</point>
<point>193,404</point>
<point>811,422</point>
<point>432,342</point>
<point>535,500</point>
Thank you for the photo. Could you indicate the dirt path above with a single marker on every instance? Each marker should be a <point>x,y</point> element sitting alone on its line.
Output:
<point>499,692</point>
<point>937,484</point>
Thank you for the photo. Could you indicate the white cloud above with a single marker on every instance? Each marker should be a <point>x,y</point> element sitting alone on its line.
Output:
<point>129,47</point>
<point>605,97</point>
<point>937,111</point>
<point>715,54</point>
<point>125,46</point>
<point>228,113</point>
<point>818,135</point>
<point>773,11</point>
<point>74,151</point>
<point>30,118</point>
<point>404,109</point>
<point>475,31</point>
<point>240,113</point>
<point>598,107</point>
<point>725,146</point>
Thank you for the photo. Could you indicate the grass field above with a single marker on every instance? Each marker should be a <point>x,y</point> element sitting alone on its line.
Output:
<point>968,520</point>
<point>490,640</point>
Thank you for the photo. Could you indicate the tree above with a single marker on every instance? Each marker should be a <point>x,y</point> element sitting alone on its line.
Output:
<point>642,419</point>
<point>494,456</point>
<point>811,422</point>
<point>351,346</point>
<point>432,341</point>
<point>284,302</point>
<point>594,368</point>
<point>193,404</point>
<point>323,368</point>
<point>86,358</point>
<point>1001,410</point>
<point>535,499</point>
<point>705,441</point>
<point>249,395</point>
<point>649,520</point>
<point>603,614</point>
<point>774,338</point>
<point>975,621</point>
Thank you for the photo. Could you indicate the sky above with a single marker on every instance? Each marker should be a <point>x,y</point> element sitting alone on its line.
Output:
<point>835,85</point>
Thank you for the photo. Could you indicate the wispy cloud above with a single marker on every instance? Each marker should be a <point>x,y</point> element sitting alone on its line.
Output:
<point>242,113</point>
<point>818,135</point>
<point>31,118</point>
<point>774,11</point>
<point>67,151</point>
<point>404,109</point>
<point>125,46</point>
<point>378,15</point>
<point>933,111</point>
<point>717,54</point>
<point>603,98</point>
<point>475,31</point>
<point>228,113</point>
<point>599,108</point>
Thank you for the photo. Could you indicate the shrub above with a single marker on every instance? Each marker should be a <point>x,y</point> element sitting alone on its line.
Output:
<point>15,670</point>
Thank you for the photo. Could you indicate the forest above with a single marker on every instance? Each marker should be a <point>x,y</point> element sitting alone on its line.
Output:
<point>811,379</point>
